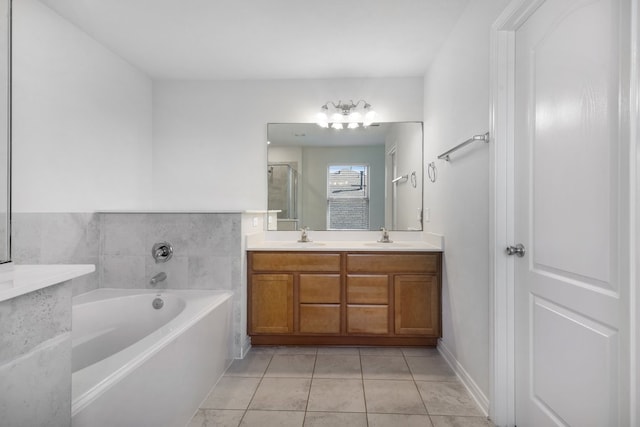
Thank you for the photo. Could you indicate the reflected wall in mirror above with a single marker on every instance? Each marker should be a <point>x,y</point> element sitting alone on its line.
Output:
<point>5,144</point>
<point>350,179</point>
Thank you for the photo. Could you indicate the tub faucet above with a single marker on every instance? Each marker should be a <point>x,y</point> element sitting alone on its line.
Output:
<point>158,278</point>
<point>385,236</point>
<point>162,252</point>
<point>304,236</point>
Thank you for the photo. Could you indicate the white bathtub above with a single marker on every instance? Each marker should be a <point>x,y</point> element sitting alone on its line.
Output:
<point>134,365</point>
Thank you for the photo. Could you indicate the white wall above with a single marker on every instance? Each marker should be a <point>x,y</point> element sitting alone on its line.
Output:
<point>81,120</point>
<point>210,136</point>
<point>457,107</point>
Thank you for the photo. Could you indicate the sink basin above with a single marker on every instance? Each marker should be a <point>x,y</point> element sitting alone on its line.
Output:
<point>298,244</point>
<point>386,245</point>
<point>304,244</point>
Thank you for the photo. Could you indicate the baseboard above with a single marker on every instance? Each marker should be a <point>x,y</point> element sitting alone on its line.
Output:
<point>465,378</point>
<point>244,347</point>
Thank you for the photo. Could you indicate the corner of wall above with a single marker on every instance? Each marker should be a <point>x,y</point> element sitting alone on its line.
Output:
<point>474,390</point>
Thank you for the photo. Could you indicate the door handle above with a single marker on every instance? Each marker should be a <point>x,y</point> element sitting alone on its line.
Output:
<point>516,250</point>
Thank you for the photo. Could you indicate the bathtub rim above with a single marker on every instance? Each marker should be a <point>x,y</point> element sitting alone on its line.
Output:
<point>156,340</point>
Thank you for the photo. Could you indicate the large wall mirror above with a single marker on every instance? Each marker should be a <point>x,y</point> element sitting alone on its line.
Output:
<point>5,131</point>
<point>349,179</point>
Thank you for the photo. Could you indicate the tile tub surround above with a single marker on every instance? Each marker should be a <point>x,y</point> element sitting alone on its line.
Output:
<point>57,238</point>
<point>206,246</point>
<point>339,386</point>
<point>207,250</point>
<point>207,254</point>
<point>35,357</point>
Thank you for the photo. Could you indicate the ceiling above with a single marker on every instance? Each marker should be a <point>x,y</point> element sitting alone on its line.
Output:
<point>268,39</point>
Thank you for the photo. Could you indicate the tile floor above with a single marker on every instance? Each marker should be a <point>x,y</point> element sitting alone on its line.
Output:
<point>333,386</point>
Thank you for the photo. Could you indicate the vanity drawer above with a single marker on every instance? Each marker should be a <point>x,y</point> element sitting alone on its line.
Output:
<point>392,263</point>
<point>367,289</point>
<point>320,318</point>
<point>320,288</point>
<point>368,319</point>
<point>289,261</point>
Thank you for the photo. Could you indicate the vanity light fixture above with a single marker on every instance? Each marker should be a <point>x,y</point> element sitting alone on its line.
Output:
<point>351,114</point>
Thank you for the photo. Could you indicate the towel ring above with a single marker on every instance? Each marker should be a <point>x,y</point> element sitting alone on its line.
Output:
<point>432,172</point>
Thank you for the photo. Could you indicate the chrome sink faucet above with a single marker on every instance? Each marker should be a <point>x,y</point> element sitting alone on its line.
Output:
<point>304,235</point>
<point>385,236</point>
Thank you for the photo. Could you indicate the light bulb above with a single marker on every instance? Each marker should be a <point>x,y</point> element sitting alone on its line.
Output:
<point>369,117</point>
<point>355,117</point>
<point>322,118</point>
<point>337,125</point>
<point>353,125</point>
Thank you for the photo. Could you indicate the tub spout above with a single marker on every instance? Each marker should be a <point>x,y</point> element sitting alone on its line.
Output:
<point>158,278</point>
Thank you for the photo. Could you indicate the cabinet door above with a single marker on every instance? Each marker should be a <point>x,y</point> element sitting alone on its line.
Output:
<point>271,303</point>
<point>386,263</point>
<point>416,304</point>
<point>320,318</point>
<point>320,288</point>
<point>295,262</point>
<point>368,319</point>
<point>367,289</point>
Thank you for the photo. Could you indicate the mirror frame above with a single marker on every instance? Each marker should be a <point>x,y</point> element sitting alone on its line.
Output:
<point>8,135</point>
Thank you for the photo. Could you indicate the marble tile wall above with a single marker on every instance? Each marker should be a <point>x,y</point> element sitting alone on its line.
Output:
<point>207,251</point>
<point>58,238</point>
<point>35,358</point>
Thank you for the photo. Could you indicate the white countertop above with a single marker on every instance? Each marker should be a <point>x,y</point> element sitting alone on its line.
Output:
<point>171,211</point>
<point>345,241</point>
<point>16,280</point>
<point>344,246</point>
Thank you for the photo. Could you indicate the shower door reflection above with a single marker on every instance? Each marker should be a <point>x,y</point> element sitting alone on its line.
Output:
<point>283,194</point>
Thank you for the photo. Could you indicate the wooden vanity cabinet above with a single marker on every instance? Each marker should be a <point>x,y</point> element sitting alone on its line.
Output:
<point>414,288</point>
<point>344,298</point>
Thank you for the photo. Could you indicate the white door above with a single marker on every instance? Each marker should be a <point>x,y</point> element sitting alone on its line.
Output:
<point>571,172</point>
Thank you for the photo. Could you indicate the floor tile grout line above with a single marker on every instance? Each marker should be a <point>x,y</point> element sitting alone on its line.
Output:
<point>256,390</point>
<point>306,407</point>
<point>364,393</point>
<point>415,384</point>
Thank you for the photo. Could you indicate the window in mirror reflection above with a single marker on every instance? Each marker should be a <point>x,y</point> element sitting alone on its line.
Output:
<point>348,197</point>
